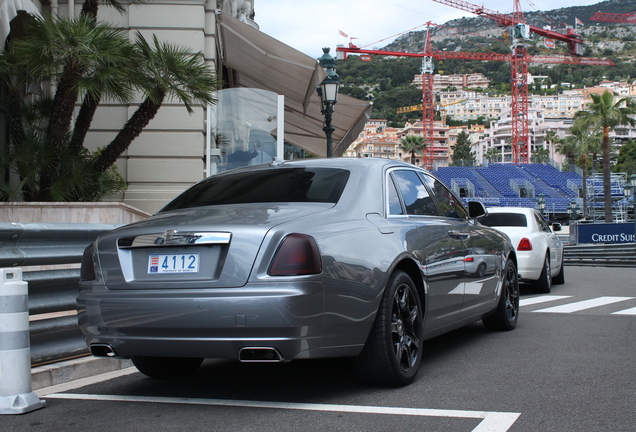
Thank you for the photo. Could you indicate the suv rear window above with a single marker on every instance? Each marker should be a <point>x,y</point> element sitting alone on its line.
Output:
<point>265,186</point>
<point>504,219</point>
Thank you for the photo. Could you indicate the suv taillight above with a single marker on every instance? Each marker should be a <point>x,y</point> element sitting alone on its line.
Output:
<point>297,255</point>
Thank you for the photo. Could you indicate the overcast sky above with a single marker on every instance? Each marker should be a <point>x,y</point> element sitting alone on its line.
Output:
<point>309,25</point>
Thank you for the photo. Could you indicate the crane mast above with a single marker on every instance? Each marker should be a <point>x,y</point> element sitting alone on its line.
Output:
<point>428,101</point>
<point>519,139</point>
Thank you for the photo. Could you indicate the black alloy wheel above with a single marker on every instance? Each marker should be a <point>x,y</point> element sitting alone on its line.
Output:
<point>393,352</point>
<point>506,315</point>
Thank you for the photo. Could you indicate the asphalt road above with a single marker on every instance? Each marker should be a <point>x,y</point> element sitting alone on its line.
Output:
<point>562,369</point>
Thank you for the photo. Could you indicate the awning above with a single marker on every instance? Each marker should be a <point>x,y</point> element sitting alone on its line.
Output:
<point>263,62</point>
<point>9,10</point>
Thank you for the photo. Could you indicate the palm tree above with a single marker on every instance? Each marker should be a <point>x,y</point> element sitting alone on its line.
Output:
<point>76,55</point>
<point>412,144</point>
<point>552,138</point>
<point>86,60</point>
<point>604,114</point>
<point>582,142</point>
<point>541,155</point>
<point>493,155</point>
<point>567,146</point>
<point>163,70</point>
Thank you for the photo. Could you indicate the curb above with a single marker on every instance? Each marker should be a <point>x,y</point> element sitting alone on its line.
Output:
<point>71,370</point>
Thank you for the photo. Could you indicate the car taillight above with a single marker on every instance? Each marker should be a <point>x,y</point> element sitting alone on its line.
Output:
<point>469,259</point>
<point>297,255</point>
<point>524,245</point>
<point>87,272</point>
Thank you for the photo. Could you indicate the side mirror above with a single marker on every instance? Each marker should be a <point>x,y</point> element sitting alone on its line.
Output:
<point>556,227</point>
<point>476,209</point>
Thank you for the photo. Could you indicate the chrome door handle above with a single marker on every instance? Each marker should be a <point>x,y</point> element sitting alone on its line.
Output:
<point>458,235</point>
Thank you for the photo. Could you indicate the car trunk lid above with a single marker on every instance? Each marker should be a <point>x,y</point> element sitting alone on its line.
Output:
<point>193,248</point>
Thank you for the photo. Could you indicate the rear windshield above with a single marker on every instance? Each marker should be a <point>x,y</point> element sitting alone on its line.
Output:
<point>504,219</point>
<point>265,186</point>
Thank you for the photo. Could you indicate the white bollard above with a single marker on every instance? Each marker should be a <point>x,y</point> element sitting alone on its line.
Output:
<point>16,394</point>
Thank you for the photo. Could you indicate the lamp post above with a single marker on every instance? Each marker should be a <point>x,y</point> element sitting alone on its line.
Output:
<point>541,204</point>
<point>328,92</point>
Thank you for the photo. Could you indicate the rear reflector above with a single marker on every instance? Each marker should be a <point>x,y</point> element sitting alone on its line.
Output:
<point>297,255</point>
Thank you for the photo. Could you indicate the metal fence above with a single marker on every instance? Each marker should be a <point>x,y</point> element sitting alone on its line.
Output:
<point>53,328</point>
<point>601,255</point>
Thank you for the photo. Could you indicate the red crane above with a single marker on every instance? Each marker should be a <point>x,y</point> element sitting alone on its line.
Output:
<point>428,100</point>
<point>628,18</point>
<point>519,64</point>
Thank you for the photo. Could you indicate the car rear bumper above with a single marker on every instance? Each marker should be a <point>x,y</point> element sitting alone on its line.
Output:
<point>529,267</point>
<point>209,323</point>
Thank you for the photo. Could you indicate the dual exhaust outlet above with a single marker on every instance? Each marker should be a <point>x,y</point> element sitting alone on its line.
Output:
<point>246,355</point>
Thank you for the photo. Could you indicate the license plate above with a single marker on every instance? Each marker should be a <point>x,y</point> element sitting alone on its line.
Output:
<point>173,263</point>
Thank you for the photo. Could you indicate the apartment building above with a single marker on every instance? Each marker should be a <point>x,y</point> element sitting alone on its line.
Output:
<point>459,81</point>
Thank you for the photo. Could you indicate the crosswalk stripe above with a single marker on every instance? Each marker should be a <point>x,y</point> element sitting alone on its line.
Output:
<point>585,304</point>
<point>631,311</point>
<point>542,299</point>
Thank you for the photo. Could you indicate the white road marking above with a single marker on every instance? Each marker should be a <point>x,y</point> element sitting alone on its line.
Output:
<point>492,421</point>
<point>541,299</point>
<point>631,311</point>
<point>585,304</point>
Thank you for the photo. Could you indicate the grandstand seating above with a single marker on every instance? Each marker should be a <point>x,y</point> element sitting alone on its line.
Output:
<point>493,184</point>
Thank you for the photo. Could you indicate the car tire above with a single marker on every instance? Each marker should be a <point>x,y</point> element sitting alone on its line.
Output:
<point>544,284</point>
<point>560,278</point>
<point>392,353</point>
<point>481,270</point>
<point>166,367</point>
<point>506,315</point>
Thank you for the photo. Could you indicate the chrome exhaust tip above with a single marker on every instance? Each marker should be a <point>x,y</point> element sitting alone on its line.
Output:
<point>260,354</point>
<point>102,350</point>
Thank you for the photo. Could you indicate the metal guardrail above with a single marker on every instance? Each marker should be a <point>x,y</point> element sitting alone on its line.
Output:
<point>54,336</point>
<point>600,255</point>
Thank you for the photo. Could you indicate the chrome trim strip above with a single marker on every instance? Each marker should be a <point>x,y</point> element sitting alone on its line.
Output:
<point>175,238</point>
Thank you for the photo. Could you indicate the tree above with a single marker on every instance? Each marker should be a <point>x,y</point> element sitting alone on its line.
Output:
<point>540,155</point>
<point>412,144</point>
<point>604,114</point>
<point>552,139</point>
<point>163,70</point>
<point>582,142</point>
<point>86,61</point>
<point>462,154</point>
<point>75,55</point>
<point>626,161</point>
<point>493,155</point>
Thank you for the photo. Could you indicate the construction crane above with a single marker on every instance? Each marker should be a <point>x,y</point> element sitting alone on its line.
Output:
<point>628,18</point>
<point>519,64</point>
<point>427,106</point>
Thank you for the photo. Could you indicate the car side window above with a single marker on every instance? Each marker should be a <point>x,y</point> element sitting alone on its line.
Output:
<point>542,223</point>
<point>447,203</point>
<point>395,207</point>
<point>416,197</point>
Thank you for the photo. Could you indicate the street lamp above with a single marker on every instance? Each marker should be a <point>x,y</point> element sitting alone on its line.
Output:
<point>541,204</point>
<point>328,92</point>
<point>628,190</point>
